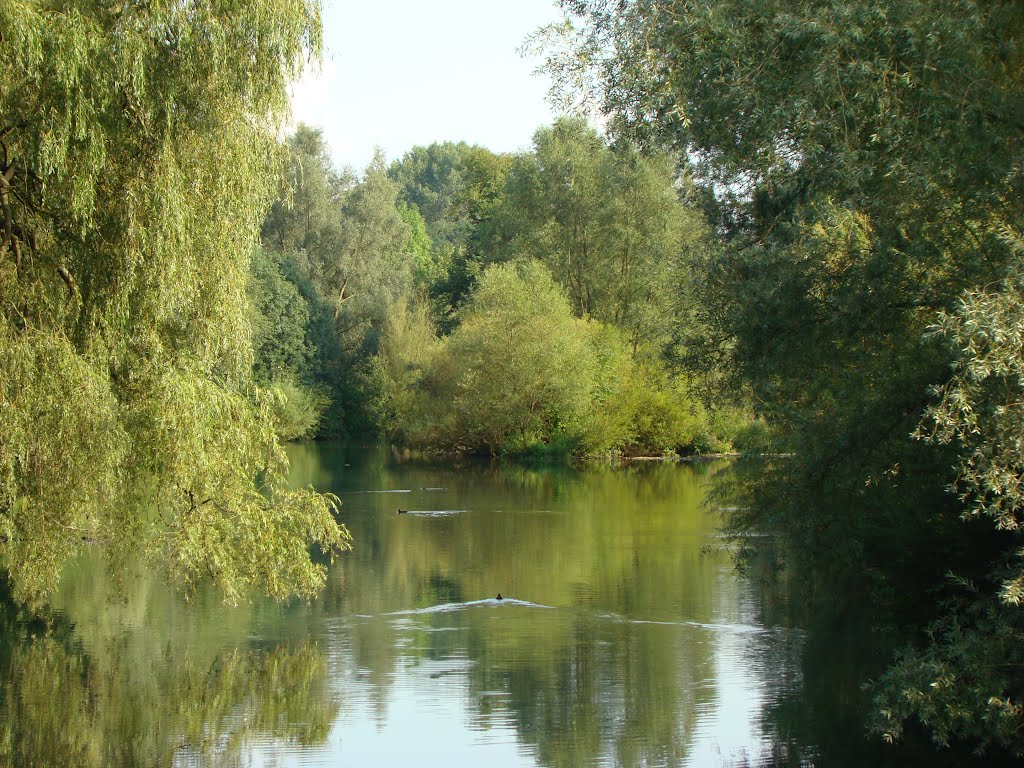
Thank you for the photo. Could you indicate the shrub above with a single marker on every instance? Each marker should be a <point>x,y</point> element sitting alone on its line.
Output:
<point>522,376</point>
<point>297,408</point>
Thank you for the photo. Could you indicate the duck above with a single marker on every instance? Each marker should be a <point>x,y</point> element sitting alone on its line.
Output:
<point>499,597</point>
<point>403,511</point>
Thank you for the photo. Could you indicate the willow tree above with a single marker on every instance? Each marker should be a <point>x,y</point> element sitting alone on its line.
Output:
<point>137,147</point>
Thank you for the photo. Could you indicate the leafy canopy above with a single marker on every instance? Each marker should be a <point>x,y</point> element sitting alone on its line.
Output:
<point>608,223</point>
<point>863,160</point>
<point>137,150</point>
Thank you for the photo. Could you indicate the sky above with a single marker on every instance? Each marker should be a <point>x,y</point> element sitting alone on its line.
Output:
<point>403,73</point>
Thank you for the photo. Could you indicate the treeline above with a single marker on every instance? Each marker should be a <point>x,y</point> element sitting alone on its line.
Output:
<point>462,301</point>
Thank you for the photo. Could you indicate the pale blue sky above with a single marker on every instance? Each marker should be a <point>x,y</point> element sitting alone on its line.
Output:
<point>398,73</point>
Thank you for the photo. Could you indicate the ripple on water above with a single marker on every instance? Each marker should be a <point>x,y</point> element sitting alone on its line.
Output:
<point>383,490</point>
<point>434,512</point>
<point>452,607</point>
<point>726,627</point>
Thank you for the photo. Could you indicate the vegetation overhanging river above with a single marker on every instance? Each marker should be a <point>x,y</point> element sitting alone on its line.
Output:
<point>624,637</point>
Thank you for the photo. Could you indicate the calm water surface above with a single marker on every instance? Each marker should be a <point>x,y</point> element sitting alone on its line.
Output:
<point>624,639</point>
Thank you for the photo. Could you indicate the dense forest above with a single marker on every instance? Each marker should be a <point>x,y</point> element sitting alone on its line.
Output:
<point>801,238</point>
<point>461,301</point>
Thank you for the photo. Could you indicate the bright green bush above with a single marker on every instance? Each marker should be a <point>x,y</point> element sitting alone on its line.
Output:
<point>297,408</point>
<point>518,368</point>
<point>522,376</point>
<point>738,429</point>
<point>663,417</point>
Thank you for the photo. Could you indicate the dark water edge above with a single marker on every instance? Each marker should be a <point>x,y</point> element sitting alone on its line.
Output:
<point>626,639</point>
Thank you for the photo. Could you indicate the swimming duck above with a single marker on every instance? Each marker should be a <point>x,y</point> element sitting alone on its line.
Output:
<point>403,511</point>
<point>499,597</point>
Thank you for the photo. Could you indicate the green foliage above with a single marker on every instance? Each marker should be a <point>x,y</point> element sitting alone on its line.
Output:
<point>639,407</point>
<point>373,266</point>
<point>521,375</point>
<point>64,445</point>
<point>738,429</point>
<point>351,248</point>
<point>419,246</point>
<point>981,407</point>
<point>136,149</point>
<point>867,158</point>
<point>285,347</point>
<point>298,408</point>
<point>663,416</point>
<point>279,321</point>
<point>408,347</point>
<point>517,368</point>
<point>608,224</point>
<point>455,188</point>
<point>305,215</point>
<point>964,684</point>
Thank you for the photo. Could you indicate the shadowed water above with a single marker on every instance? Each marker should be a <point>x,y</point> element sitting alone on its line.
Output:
<point>623,638</point>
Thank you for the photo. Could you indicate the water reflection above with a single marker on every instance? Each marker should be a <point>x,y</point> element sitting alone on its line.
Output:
<point>151,681</point>
<point>639,663</point>
<point>620,641</point>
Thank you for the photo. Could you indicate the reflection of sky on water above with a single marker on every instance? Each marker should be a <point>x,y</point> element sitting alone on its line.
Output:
<point>469,680</point>
<point>617,642</point>
<point>428,716</point>
<point>427,723</point>
<point>731,728</point>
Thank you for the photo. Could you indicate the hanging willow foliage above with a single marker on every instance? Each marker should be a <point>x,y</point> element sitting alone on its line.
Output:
<point>137,159</point>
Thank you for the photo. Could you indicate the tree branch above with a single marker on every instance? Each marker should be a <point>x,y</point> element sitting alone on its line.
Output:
<point>69,280</point>
<point>5,207</point>
<point>5,203</point>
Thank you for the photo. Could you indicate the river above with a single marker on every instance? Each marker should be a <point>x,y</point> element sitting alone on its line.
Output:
<point>624,637</point>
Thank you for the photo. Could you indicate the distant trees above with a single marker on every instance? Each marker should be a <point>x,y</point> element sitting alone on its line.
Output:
<point>455,187</point>
<point>297,351</point>
<point>304,217</point>
<point>608,223</point>
<point>514,372</point>
<point>337,253</point>
<point>375,260</point>
<point>399,253</point>
<point>280,323</point>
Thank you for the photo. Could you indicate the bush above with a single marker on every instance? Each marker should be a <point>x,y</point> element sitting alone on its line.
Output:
<point>297,408</point>
<point>737,429</point>
<point>521,376</point>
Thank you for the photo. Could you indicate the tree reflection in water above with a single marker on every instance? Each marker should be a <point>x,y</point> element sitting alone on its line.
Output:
<point>620,643</point>
<point>136,699</point>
